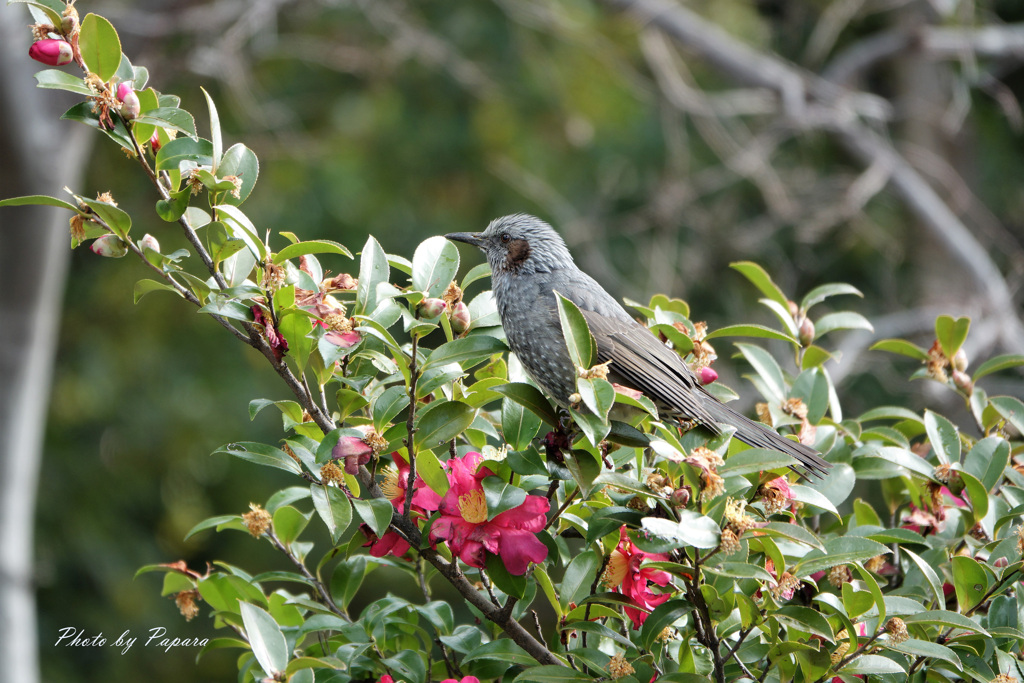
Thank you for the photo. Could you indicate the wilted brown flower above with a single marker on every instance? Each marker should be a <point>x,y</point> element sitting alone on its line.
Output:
<point>764,414</point>
<point>186,602</point>
<point>897,630</point>
<point>839,575</point>
<point>257,521</point>
<point>729,542</point>
<point>331,473</point>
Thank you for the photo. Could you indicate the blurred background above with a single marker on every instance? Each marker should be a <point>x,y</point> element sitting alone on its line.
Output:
<point>877,142</point>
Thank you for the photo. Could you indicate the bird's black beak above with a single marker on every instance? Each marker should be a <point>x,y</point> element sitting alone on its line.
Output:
<point>474,238</point>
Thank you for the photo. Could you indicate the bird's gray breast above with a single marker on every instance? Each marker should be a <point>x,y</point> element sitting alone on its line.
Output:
<point>529,315</point>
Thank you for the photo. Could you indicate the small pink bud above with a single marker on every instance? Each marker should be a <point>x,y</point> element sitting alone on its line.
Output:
<point>110,246</point>
<point>149,242</point>
<point>963,381</point>
<point>52,51</point>
<point>794,310</point>
<point>960,360</point>
<point>806,332</point>
<point>1000,563</point>
<point>431,308</point>
<point>460,318</point>
<point>707,375</point>
<point>130,105</point>
<point>154,143</point>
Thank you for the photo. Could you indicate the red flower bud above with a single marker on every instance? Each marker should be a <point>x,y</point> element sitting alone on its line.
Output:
<point>110,246</point>
<point>707,375</point>
<point>154,143</point>
<point>431,308</point>
<point>681,497</point>
<point>52,51</point>
<point>460,318</point>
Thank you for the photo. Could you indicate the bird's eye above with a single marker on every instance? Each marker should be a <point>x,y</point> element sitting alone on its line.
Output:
<point>506,238</point>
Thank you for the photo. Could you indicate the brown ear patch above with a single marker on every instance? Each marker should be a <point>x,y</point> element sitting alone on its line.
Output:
<point>518,252</point>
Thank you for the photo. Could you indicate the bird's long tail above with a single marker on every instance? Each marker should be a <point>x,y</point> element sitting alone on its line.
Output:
<point>757,435</point>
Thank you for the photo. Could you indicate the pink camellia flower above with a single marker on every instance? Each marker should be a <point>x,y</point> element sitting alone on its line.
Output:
<point>511,535</point>
<point>707,375</point>
<point>386,678</point>
<point>465,679</point>
<point>395,487</point>
<point>624,574</point>
<point>276,340</point>
<point>51,51</point>
<point>345,340</point>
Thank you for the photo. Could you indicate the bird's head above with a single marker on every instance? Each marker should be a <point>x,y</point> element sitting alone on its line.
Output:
<point>518,244</point>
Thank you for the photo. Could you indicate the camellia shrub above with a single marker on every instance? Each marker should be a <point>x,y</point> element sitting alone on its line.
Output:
<point>580,547</point>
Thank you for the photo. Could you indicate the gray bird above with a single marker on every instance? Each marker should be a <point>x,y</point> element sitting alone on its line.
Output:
<point>529,263</point>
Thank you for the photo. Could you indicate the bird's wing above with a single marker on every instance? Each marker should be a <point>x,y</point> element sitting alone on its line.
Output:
<point>644,363</point>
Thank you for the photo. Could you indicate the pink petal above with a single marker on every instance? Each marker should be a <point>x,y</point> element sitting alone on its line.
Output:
<point>519,548</point>
<point>530,515</point>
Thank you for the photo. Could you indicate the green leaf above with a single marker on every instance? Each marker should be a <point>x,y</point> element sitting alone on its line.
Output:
<point>174,207</point>
<point>550,673</point>
<point>1011,409</point>
<point>116,219</point>
<point>215,134</point>
<point>209,523</point>
<point>507,582</point>
<point>807,495</point>
<point>55,79</point>
<point>900,456</point>
<point>38,200</point>
<point>793,532</point>
<point>598,395</point>
<point>998,363</point>
<point>441,422</point>
<point>501,496</point>
<point>173,118</point>
<point>503,650</point>
<point>228,308</point>
<point>388,405</point>
<point>429,467</point>
<point>578,339</point>
<point>467,351</point>
<point>530,398</point>
<point>945,618</point>
<point>48,9</point>
<point>924,648</point>
<point>951,333</point>
<point>944,437</point>
<point>593,426</point>
<point>987,460</point>
<point>334,509</point>
<point>265,638</point>
<point>767,369</point>
<point>804,619</point>
<point>288,524</point>
<point>241,227</point>
<point>240,161</point>
<point>842,320</point>
<point>347,578</point>
<point>295,328</point>
<point>902,347</point>
<point>475,273</point>
<point>519,426</point>
<point>144,287</point>
<point>171,155</point>
<point>758,331</point>
<point>261,454</point>
<point>434,265</point>
<point>373,269</point>
<point>375,512</point>
<point>872,664</point>
<point>977,494</point>
<point>840,550</point>
<point>929,574</point>
<point>822,292</point>
<point>663,616</point>
<point>100,46</point>
<point>754,460</point>
<point>970,581</point>
<point>760,279</point>
<point>310,247</point>
<point>579,577</point>
<point>692,529</point>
